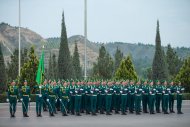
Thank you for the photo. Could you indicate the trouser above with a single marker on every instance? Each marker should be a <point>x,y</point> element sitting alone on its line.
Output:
<point>165,103</point>
<point>102,103</point>
<point>145,102</point>
<point>137,103</point>
<point>158,101</point>
<point>12,106</point>
<point>108,103</point>
<point>25,104</point>
<point>179,102</point>
<point>44,101</point>
<point>123,102</point>
<point>151,103</point>
<point>39,102</point>
<point>51,104</point>
<point>131,102</point>
<point>116,102</point>
<point>87,103</point>
<point>83,103</point>
<point>93,101</point>
<point>72,103</point>
<point>64,103</point>
<point>77,103</point>
<point>171,102</point>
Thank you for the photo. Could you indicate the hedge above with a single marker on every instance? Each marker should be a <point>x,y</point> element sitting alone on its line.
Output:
<point>3,97</point>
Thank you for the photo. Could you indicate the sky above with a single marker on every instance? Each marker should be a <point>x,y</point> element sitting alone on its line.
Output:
<point>129,21</point>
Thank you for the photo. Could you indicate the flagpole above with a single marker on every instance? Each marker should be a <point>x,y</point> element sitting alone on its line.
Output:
<point>19,55</point>
<point>85,36</point>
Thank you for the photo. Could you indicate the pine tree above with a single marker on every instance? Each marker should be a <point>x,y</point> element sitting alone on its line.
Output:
<point>104,67</point>
<point>118,58</point>
<point>65,67</point>
<point>54,63</point>
<point>126,70</point>
<point>29,69</point>
<point>159,66</point>
<point>3,76</point>
<point>50,68</point>
<point>173,61</point>
<point>76,63</point>
<point>184,75</point>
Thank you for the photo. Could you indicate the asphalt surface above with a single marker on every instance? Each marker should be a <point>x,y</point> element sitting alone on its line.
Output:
<point>115,120</point>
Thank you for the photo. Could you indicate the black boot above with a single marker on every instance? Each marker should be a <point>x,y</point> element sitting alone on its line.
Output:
<point>123,113</point>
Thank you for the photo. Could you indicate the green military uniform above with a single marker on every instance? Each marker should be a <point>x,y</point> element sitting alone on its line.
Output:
<point>87,99</point>
<point>131,98</point>
<point>159,89</point>
<point>78,97</point>
<point>64,98</point>
<point>145,97</point>
<point>165,99</point>
<point>39,100</point>
<point>52,98</point>
<point>116,98</point>
<point>93,99</point>
<point>152,94</point>
<point>138,98</point>
<point>171,98</point>
<point>180,90</point>
<point>83,99</point>
<point>44,96</point>
<point>123,92</point>
<point>72,99</point>
<point>25,96</point>
<point>109,92</point>
<point>12,98</point>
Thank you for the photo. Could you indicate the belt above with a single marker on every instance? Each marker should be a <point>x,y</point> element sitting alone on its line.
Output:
<point>102,94</point>
<point>179,94</point>
<point>152,94</point>
<point>123,94</point>
<point>94,95</point>
<point>159,93</point>
<point>52,95</point>
<point>13,95</point>
<point>138,95</point>
<point>109,94</point>
<point>145,93</point>
<point>78,95</point>
<point>165,94</point>
<point>26,95</point>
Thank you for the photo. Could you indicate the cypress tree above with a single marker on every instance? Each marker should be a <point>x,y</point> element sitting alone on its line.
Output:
<point>50,67</point>
<point>126,70</point>
<point>184,75</point>
<point>65,67</point>
<point>3,72</point>
<point>118,57</point>
<point>54,67</point>
<point>159,66</point>
<point>76,63</point>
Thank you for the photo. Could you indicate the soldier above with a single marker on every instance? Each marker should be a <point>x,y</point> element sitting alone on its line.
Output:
<point>57,104</point>
<point>25,98</point>
<point>93,98</point>
<point>44,94</point>
<point>39,99</point>
<point>166,91</point>
<point>83,97</point>
<point>78,97</point>
<point>116,97</point>
<point>64,98</point>
<point>145,96</point>
<point>152,93</point>
<point>131,96</point>
<point>159,89</point>
<point>180,90</point>
<point>123,92</point>
<point>52,97</point>
<point>102,97</point>
<point>138,93</point>
<point>12,94</point>
<point>72,97</point>
<point>109,92</point>
<point>171,97</point>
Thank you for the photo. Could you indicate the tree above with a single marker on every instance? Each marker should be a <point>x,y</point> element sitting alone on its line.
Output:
<point>76,63</point>
<point>173,61</point>
<point>126,70</point>
<point>50,67</point>
<point>159,66</point>
<point>65,67</point>
<point>104,67</point>
<point>54,63</point>
<point>184,75</point>
<point>118,57</point>
<point>3,76</point>
<point>29,69</point>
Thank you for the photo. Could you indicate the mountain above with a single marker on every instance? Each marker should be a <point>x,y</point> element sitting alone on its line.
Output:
<point>142,54</point>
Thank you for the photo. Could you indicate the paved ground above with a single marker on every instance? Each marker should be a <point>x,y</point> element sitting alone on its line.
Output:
<point>130,120</point>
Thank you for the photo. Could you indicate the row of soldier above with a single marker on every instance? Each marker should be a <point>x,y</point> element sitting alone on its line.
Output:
<point>91,97</point>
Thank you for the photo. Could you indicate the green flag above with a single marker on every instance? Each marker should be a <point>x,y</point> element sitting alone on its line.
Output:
<point>40,72</point>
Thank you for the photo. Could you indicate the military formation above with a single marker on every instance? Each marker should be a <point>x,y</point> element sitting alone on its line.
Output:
<point>91,97</point>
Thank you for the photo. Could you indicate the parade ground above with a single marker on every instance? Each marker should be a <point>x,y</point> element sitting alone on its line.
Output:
<point>115,120</point>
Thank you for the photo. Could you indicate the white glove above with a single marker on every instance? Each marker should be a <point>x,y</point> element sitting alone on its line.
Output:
<point>96,89</point>
<point>125,89</point>
<point>114,91</point>
<point>143,91</point>
<point>177,91</point>
<point>47,100</point>
<point>40,95</point>
<point>71,92</point>
<point>7,100</point>
<point>76,91</point>
<point>91,92</point>
<point>135,91</point>
<point>29,99</point>
<point>140,89</point>
<point>21,99</point>
<point>55,100</point>
<point>86,91</point>
<point>163,92</point>
<point>111,89</point>
<point>81,89</point>
<point>156,91</point>
<point>17,100</point>
<point>121,91</point>
<point>40,86</point>
<point>150,92</point>
<point>68,100</point>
